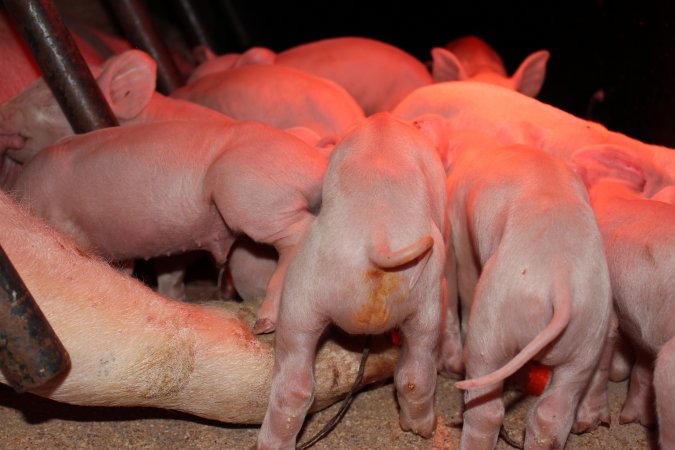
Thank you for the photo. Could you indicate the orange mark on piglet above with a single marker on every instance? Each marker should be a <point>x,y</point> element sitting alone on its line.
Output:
<point>375,311</point>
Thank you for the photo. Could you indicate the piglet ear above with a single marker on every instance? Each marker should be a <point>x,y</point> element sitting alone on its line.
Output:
<point>606,161</point>
<point>202,53</point>
<point>256,55</point>
<point>445,66</point>
<point>529,77</point>
<point>434,127</point>
<point>128,81</point>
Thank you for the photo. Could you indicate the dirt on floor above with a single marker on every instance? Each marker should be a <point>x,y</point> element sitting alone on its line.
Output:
<point>30,422</point>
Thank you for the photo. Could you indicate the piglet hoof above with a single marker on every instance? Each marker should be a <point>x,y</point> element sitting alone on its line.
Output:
<point>422,428</point>
<point>586,426</point>
<point>262,326</point>
<point>590,416</point>
<point>645,418</point>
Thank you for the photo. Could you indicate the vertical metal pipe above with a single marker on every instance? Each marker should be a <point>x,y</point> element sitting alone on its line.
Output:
<point>237,25</point>
<point>30,352</point>
<point>63,67</point>
<point>193,25</point>
<point>139,29</point>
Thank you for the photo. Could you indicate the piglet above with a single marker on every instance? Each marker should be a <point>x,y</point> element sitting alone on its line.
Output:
<point>372,260</point>
<point>280,96</point>
<point>514,118</point>
<point>469,58</point>
<point>142,191</point>
<point>130,346</point>
<point>639,241</point>
<point>533,284</point>
<point>378,75</point>
<point>33,119</point>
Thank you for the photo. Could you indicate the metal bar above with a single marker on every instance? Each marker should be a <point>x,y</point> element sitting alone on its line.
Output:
<point>192,24</point>
<point>30,352</point>
<point>139,29</point>
<point>63,67</point>
<point>236,24</point>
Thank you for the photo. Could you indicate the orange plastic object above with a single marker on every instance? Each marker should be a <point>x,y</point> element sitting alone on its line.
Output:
<point>537,378</point>
<point>395,337</point>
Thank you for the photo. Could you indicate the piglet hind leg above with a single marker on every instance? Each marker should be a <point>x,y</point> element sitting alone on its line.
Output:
<point>551,418</point>
<point>449,361</point>
<point>292,384</point>
<point>594,406</point>
<point>415,377</point>
<point>483,413</point>
<point>639,404</point>
<point>664,386</point>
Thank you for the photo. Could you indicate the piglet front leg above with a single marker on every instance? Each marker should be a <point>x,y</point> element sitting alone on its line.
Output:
<point>622,359</point>
<point>269,309</point>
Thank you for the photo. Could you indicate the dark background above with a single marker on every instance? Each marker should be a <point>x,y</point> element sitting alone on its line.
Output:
<point>623,53</point>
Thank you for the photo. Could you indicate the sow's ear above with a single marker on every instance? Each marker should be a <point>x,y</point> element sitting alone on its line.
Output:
<point>445,66</point>
<point>128,81</point>
<point>609,161</point>
<point>529,77</point>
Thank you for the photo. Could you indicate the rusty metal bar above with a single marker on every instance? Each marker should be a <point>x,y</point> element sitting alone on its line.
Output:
<point>63,67</point>
<point>192,24</point>
<point>30,352</point>
<point>134,19</point>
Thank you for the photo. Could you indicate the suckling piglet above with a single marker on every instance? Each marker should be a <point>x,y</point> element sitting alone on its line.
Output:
<point>514,118</point>
<point>33,119</point>
<point>639,241</point>
<point>142,191</point>
<point>377,74</point>
<point>533,284</point>
<point>372,260</point>
<point>283,97</point>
